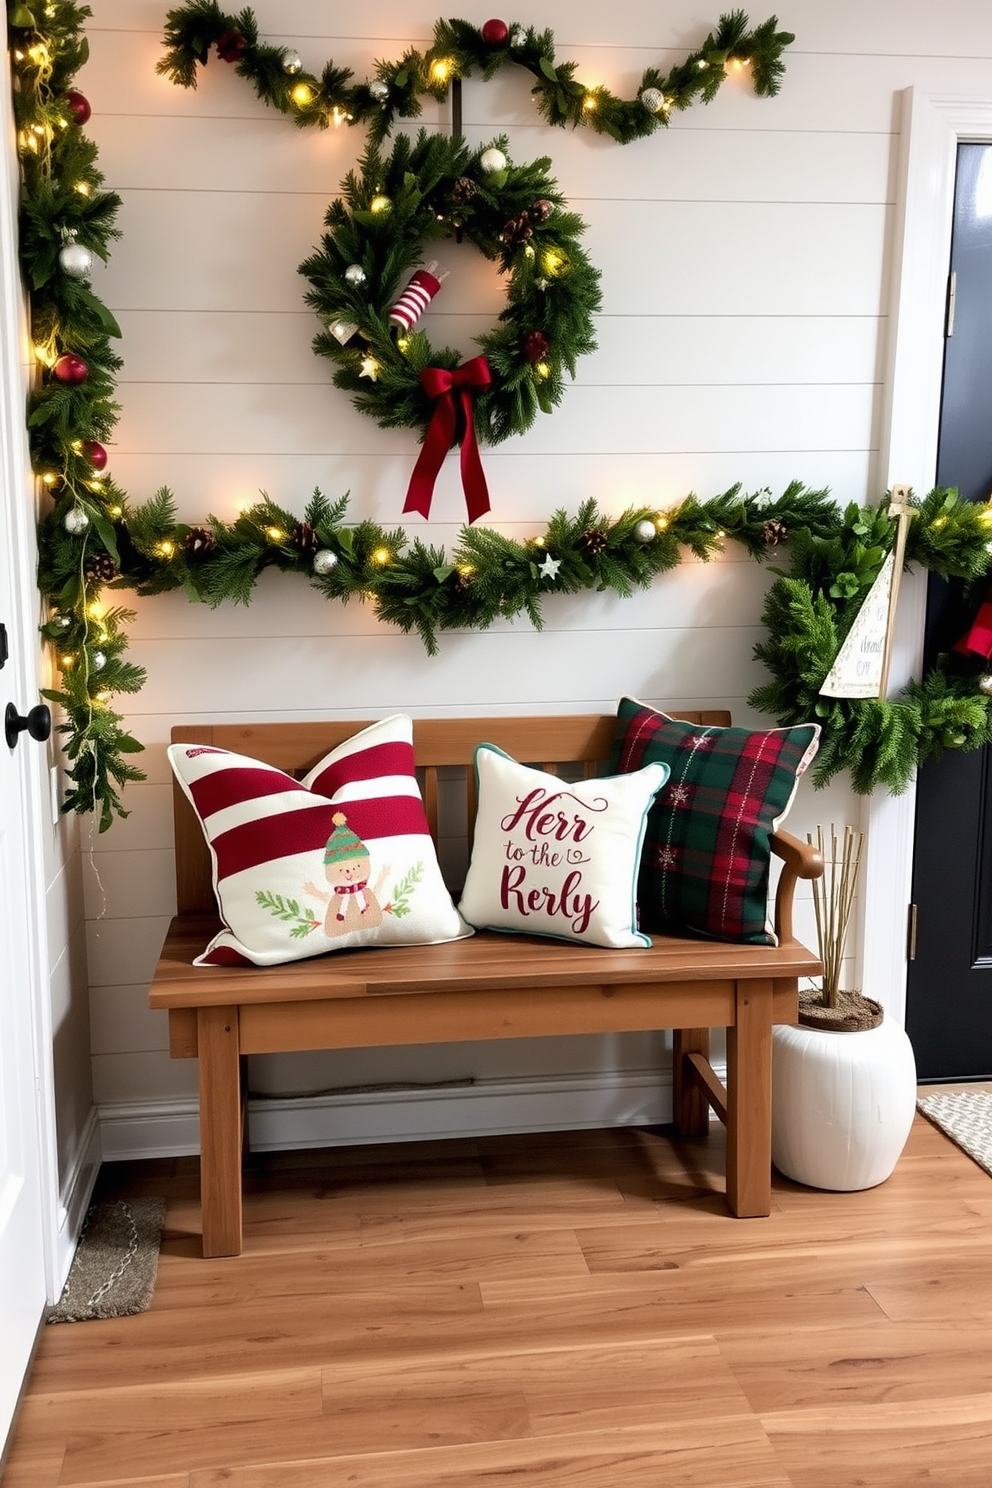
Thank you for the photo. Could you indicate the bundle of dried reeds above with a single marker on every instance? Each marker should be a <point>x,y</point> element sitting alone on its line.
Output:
<point>833,901</point>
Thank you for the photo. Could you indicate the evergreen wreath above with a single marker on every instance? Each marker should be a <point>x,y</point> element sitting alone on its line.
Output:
<point>435,187</point>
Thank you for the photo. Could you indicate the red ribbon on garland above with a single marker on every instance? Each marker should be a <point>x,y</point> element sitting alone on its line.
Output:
<point>451,391</point>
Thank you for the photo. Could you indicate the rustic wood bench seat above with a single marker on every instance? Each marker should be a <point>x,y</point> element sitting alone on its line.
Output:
<point>491,986</point>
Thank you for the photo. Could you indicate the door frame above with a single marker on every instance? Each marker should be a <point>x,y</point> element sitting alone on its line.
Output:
<point>932,126</point>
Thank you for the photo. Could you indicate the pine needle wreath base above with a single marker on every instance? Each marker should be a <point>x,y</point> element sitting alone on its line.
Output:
<point>424,190</point>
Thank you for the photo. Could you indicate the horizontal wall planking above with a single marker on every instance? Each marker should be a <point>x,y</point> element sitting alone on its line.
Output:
<point>233,250</point>
<point>124,951</point>
<point>121,1022</point>
<point>490,671</point>
<point>142,1076</point>
<point>163,346</point>
<point>267,153</point>
<point>144,880</point>
<point>199,418</point>
<point>523,488</point>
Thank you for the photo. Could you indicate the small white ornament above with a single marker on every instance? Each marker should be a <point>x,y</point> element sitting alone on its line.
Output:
<point>76,521</point>
<point>354,274</point>
<point>549,568</point>
<point>652,99</point>
<point>324,561</point>
<point>379,90</point>
<point>492,160</point>
<point>60,622</point>
<point>98,661</point>
<point>645,531</point>
<point>76,260</point>
<point>292,63</point>
<point>342,330</point>
<point>985,684</point>
<point>518,37</point>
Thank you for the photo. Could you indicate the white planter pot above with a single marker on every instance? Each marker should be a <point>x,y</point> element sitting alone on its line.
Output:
<point>842,1104</point>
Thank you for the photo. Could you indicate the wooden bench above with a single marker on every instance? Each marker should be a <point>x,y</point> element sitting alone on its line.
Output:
<point>490,986</point>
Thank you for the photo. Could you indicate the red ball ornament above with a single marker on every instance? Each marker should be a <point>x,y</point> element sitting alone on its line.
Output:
<point>535,346</point>
<point>71,368</point>
<point>495,32</point>
<point>95,453</point>
<point>231,46</point>
<point>79,106</point>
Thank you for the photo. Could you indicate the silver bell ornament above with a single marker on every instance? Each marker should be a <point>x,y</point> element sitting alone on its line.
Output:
<point>76,261</point>
<point>324,562</point>
<point>379,90</point>
<point>75,521</point>
<point>354,274</point>
<point>292,63</point>
<point>645,531</point>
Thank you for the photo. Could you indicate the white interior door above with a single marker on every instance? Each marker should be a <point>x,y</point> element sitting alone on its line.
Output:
<point>25,1041</point>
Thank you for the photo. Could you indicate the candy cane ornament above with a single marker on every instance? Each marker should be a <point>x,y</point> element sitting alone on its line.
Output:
<point>412,303</point>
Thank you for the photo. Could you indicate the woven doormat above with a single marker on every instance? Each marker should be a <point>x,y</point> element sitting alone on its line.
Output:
<point>113,1271</point>
<point>966,1117</point>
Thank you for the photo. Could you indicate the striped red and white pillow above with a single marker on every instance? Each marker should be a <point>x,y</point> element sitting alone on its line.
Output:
<point>342,858</point>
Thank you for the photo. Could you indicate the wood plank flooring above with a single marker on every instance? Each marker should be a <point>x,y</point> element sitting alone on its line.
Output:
<point>573,1309</point>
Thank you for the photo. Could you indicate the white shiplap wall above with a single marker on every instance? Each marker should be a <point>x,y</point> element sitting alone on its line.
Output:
<point>745,262</point>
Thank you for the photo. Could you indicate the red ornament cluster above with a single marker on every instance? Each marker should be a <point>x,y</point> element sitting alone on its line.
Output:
<point>495,33</point>
<point>95,453</point>
<point>535,346</point>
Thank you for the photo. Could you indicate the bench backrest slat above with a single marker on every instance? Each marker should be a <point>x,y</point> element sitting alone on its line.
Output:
<point>551,742</point>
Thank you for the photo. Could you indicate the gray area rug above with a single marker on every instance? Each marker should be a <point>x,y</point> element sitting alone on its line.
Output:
<point>113,1271</point>
<point>966,1117</point>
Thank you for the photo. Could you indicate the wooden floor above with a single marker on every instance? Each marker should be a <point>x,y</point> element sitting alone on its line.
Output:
<point>573,1310</point>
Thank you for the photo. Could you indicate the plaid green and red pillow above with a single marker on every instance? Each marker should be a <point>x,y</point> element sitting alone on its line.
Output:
<point>706,857</point>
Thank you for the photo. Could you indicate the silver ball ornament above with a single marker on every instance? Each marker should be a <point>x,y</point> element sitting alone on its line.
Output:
<point>354,274</point>
<point>76,261</point>
<point>492,160</point>
<point>645,531</point>
<point>292,63</point>
<point>75,521</point>
<point>98,661</point>
<point>652,99</point>
<point>985,684</point>
<point>324,562</point>
<point>518,37</point>
<point>379,90</point>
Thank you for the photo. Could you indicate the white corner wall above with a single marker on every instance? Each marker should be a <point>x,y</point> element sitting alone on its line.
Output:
<point>746,256</point>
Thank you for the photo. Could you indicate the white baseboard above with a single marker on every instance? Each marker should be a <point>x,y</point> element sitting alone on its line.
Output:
<point>74,1199</point>
<point>488,1108</point>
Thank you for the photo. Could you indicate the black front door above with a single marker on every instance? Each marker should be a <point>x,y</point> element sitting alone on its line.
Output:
<point>949,991</point>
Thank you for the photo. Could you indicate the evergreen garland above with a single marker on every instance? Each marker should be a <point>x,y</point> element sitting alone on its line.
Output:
<point>460,49</point>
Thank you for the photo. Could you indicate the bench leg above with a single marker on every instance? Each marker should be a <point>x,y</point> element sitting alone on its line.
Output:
<point>749,1102</point>
<point>221,1118</point>
<point>690,1107</point>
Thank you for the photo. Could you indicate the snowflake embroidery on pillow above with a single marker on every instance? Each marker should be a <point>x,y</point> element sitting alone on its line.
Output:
<point>679,795</point>
<point>666,857</point>
<point>700,741</point>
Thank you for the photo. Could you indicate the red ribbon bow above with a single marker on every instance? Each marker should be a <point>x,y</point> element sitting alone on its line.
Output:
<point>451,391</point>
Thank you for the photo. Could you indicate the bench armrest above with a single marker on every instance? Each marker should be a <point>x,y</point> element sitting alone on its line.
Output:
<point>799,860</point>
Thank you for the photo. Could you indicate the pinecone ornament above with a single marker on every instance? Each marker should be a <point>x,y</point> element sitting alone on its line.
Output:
<point>540,210</point>
<point>198,542</point>
<point>305,538</point>
<point>592,543</point>
<point>773,531</point>
<point>99,568</point>
<point>463,190</point>
<point>517,231</point>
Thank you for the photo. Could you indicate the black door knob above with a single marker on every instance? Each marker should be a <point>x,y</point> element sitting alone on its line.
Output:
<point>38,723</point>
